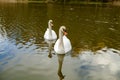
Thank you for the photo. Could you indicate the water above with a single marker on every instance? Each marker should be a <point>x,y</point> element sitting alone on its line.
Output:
<point>93,30</point>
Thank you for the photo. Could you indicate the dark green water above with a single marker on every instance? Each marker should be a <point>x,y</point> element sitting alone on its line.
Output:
<point>91,29</point>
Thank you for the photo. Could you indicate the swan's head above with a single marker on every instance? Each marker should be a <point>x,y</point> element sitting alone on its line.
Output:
<point>63,29</point>
<point>50,23</point>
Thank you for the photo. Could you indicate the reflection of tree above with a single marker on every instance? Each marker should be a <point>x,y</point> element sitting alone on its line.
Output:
<point>13,1</point>
<point>66,1</point>
<point>50,11</point>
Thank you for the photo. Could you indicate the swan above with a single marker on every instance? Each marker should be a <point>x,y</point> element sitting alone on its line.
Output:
<point>63,44</point>
<point>49,33</point>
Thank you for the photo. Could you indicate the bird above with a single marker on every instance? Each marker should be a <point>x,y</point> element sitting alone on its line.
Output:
<point>63,44</point>
<point>49,33</point>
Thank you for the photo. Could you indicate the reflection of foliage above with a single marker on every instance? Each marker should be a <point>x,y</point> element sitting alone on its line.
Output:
<point>98,46</point>
<point>74,0</point>
<point>93,48</point>
<point>61,1</point>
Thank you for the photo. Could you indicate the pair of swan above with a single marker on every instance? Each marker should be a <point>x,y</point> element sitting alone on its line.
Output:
<point>63,44</point>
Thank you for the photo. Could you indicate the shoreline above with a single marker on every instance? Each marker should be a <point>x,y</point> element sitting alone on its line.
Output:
<point>115,3</point>
<point>72,2</point>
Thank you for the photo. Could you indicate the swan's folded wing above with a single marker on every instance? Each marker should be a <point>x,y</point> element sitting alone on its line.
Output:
<point>54,36</point>
<point>67,44</point>
<point>58,48</point>
<point>46,34</point>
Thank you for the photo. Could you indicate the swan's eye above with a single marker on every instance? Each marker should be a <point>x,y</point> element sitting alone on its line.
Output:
<point>51,22</point>
<point>64,30</point>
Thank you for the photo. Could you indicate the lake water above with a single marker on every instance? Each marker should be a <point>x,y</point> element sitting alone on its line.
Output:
<point>94,32</point>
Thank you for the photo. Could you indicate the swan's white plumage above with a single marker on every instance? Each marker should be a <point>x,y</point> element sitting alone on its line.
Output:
<point>48,36</point>
<point>66,43</point>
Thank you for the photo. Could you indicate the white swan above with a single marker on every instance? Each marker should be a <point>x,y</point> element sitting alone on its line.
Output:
<point>63,44</point>
<point>49,33</point>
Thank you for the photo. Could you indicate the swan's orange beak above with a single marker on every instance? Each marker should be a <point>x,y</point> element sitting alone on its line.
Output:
<point>51,25</point>
<point>65,33</point>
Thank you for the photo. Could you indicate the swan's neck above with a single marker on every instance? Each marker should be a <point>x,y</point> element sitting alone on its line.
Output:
<point>61,45</point>
<point>50,30</point>
<point>60,35</point>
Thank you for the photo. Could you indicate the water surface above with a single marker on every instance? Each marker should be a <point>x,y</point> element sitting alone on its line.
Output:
<point>93,30</point>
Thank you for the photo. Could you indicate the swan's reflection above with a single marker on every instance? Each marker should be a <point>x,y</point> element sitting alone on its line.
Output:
<point>60,61</point>
<point>50,44</point>
<point>3,33</point>
<point>50,49</point>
